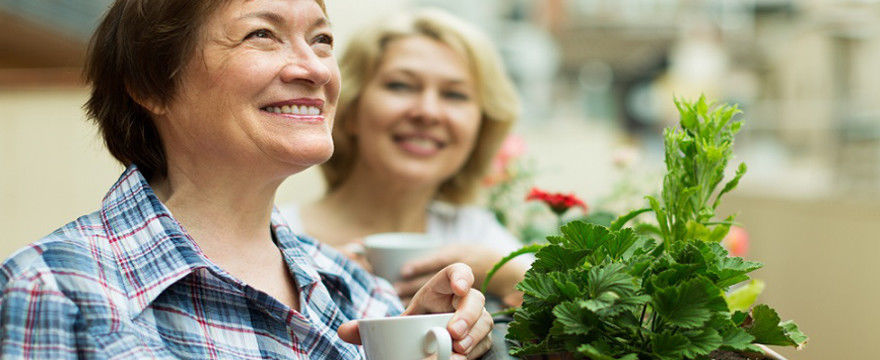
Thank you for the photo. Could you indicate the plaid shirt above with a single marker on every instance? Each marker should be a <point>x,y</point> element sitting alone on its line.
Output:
<point>127,282</point>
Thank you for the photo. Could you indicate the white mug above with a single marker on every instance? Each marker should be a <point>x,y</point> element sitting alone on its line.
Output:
<point>412,337</point>
<point>387,252</point>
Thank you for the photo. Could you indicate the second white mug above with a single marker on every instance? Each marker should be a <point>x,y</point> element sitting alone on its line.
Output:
<point>387,252</point>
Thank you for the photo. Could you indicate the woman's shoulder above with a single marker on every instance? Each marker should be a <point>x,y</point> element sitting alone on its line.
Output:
<point>71,253</point>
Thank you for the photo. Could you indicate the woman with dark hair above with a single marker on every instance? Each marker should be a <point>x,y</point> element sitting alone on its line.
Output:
<point>210,104</point>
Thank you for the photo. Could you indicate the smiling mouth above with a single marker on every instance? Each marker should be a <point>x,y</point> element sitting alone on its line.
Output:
<point>298,110</point>
<point>420,145</point>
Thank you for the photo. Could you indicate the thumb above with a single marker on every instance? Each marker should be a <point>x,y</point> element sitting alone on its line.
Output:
<point>349,332</point>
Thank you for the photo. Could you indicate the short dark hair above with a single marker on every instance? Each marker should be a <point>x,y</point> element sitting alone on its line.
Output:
<point>137,52</point>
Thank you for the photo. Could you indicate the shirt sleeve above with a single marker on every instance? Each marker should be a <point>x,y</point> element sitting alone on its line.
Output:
<point>36,320</point>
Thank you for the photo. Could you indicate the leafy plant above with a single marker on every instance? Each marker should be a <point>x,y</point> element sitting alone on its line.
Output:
<point>652,291</point>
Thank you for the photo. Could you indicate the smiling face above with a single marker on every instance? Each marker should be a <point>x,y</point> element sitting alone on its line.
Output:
<point>418,117</point>
<point>259,92</point>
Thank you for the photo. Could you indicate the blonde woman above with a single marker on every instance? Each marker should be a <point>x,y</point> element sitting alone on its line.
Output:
<point>425,105</point>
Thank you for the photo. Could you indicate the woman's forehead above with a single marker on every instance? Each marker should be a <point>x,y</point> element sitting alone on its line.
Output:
<point>283,8</point>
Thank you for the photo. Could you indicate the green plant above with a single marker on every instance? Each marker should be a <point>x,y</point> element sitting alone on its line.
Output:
<point>652,291</point>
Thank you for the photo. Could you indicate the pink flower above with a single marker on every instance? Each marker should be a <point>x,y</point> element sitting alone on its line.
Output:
<point>512,148</point>
<point>736,241</point>
<point>559,203</point>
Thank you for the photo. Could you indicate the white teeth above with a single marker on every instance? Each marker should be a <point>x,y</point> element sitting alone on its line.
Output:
<point>422,143</point>
<point>294,110</point>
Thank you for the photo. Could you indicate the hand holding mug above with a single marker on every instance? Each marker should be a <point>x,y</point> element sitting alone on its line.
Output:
<point>449,290</point>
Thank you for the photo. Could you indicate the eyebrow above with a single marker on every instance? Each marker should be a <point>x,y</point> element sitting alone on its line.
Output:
<point>277,19</point>
<point>405,70</point>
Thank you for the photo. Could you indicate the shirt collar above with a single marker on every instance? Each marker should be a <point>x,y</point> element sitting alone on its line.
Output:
<point>153,251</point>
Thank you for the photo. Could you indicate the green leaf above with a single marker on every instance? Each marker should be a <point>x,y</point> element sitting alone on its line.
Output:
<point>551,287</point>
<point>767,329</point>
<point>620,242</point>
<point>583,236</point>
<point>618,223</point>
<point>736,338</point>
<point>555,258</point>
<point>575,319</point>
<point>669,346</point>
<point>738,317</point>
<point>720,230</point>
<point>743,297</point>
<point>690,304</point>
<point>594,353</point>
<point>530,323</point>
<point>661,215</point>
<point>740,171</point>
<point>648,229</point>
<point>701,342</point>
<point>528,249</point>
<point>733,270</point>
<point>726,270</point>
<point>610,278</point>
<point>794,333</point>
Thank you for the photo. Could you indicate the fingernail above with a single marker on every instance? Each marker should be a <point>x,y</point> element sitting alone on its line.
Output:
<point>466,342</point>
<point>459,327</point>
<point>461,284</point>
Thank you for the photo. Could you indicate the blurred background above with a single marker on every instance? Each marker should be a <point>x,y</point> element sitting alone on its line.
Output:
<point>597,78</point>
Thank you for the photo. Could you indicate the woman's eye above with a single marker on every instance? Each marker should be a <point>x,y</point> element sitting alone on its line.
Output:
<point>325,39</point>
<point>259,34</point>
<point>397,86</point>
<point>456,95</point>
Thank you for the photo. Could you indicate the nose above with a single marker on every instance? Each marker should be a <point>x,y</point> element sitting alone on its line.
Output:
<point>427,107</point>
<point>304,65</point>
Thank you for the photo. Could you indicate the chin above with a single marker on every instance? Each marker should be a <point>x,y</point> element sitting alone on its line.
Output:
<point>306,154</point>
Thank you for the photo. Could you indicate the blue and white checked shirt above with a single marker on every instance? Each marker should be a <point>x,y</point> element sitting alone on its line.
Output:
<point>126,282</point>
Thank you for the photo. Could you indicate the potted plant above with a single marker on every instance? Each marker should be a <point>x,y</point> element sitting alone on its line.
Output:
<point>653,290</point>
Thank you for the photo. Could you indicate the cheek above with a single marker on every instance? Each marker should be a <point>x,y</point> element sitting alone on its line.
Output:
<point>469,126</point>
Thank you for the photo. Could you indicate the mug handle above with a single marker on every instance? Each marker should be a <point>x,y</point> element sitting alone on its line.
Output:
<point>438,341</point>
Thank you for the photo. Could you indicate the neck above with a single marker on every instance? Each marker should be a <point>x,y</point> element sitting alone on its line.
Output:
<point>219,207</point>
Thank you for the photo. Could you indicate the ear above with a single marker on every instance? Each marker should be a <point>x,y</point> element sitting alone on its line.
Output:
<point>154,107</point>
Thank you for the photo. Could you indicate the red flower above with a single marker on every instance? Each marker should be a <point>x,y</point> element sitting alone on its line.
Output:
<point>558,202</point>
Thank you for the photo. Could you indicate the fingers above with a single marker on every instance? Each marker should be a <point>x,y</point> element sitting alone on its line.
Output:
<point>480,331</point>
<point>460,278</point>
<point>469,309</point>
<point>349,332</point>
<point>438,293</point>
<point>481,348</point>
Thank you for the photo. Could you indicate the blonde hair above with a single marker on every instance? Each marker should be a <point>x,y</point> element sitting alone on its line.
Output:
<point>498,100</point>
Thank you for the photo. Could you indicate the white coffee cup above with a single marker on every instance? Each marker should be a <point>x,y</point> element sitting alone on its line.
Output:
<point>388,252</point>
<point>412,337</point>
